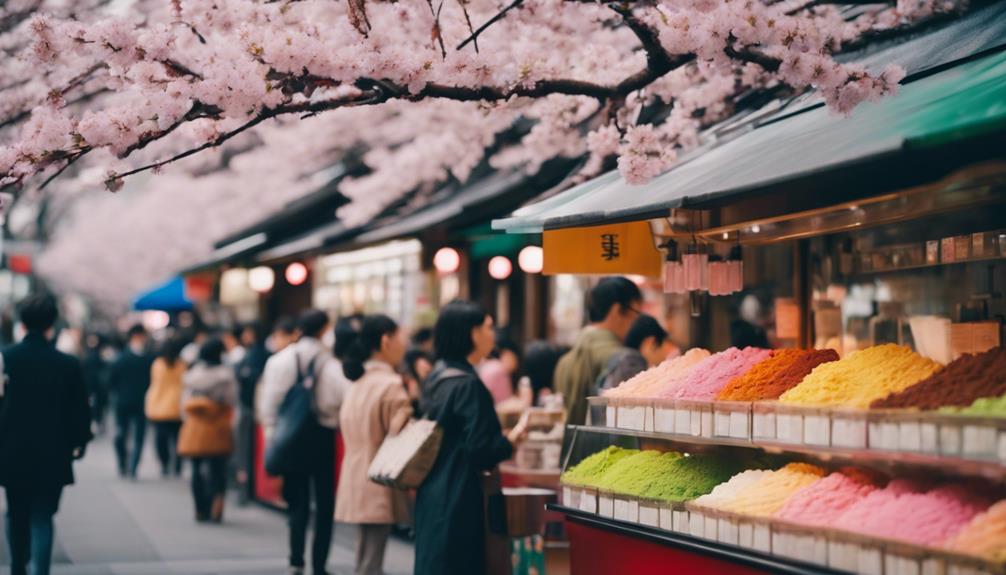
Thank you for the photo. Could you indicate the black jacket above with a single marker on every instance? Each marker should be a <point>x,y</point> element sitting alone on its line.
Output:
<point>450,532</point>
<point>249,371</point>
<point>129,378</point>
<point>44,415</point>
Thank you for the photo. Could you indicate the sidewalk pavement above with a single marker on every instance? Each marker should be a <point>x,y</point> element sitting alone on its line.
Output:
<point>112,526</point>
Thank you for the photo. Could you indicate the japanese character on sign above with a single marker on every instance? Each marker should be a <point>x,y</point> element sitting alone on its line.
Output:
<point>609,247</point>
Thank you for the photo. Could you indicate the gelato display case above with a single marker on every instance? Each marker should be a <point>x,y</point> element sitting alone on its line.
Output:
<point>867,436</point>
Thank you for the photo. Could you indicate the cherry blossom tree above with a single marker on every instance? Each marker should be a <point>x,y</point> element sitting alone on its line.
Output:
<point>98,89</point>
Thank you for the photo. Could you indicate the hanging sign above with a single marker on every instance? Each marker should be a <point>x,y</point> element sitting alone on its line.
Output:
<point>611,249</point>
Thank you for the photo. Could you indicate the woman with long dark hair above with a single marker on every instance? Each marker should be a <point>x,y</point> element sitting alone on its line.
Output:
<point>164,404</point>
<point>375,406</point>
<point>450,517</point>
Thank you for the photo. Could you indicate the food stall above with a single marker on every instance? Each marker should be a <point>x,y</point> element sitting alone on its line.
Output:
<point>869,436</point>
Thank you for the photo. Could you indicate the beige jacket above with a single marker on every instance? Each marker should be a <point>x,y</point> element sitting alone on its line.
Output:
<point>375,406</point>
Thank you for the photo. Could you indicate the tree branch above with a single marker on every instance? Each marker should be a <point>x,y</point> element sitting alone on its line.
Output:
<point>499,16</point>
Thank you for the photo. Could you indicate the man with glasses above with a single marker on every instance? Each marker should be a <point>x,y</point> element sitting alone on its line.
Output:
<point>612,305</point>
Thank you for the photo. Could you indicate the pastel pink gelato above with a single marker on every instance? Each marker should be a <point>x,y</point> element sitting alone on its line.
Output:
<point>903,511</point>
<point>711,375</point>
<point>667,374</point>
<point>821,503</point>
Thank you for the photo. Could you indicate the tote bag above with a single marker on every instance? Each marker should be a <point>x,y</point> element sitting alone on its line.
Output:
<point>404,460</point>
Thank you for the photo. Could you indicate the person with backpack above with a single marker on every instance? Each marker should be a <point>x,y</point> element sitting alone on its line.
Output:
<point>450,512</point>
<point>375,407</point>
<point>206,438</point>
<point>298,404</point>
<point>45,423</point>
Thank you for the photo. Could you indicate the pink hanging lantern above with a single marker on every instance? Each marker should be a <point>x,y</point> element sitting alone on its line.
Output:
<point>695,263</point>
<point>735,270</point>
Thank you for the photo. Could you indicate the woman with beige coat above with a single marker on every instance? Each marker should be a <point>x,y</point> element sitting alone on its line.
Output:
<point>375,406</point>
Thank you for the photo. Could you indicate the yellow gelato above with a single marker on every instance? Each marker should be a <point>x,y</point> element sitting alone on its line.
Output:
<point>862,377</point>
<point>767,495</point>
<point>985,536</point>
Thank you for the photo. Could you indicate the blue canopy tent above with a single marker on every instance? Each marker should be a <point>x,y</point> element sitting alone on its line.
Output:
<point>168,296</point>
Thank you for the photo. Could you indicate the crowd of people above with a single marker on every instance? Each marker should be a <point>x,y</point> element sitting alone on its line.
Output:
<point>203,391</point>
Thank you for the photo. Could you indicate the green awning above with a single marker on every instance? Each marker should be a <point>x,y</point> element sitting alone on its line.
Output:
<point>916,136</point>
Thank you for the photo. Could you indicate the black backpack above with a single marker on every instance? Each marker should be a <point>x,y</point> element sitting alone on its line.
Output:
<point>292,448</point>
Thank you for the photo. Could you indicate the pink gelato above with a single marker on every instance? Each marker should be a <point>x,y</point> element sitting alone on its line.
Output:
<point>821,503</point>
<point>903,511</point>
<point>667,374</point>
<point>712,374</point>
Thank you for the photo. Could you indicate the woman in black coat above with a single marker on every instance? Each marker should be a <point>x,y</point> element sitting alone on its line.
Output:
<point>450,519</point>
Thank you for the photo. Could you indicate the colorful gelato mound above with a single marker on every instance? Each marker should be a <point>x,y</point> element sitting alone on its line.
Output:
<point>667,374</point>
<point>595,465</point>
<point>766,496</point>
<point>775,375</point>
<point>707,378</point>
<point>651,474</point>
<point>985,536</point>
<point>906,512</point>
<point>728,491</point>
<point>960,383</point>
<point>824,501</point>
<point>862,377</point>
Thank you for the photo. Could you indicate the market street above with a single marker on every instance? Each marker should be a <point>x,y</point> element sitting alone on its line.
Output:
<point>110,526</point>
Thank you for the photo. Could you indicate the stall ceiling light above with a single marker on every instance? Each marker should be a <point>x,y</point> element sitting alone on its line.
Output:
<point>500,268</point>
<point>531,259</point>
<point>261,279</point>
<point>447,260</point>
<point>295,274</point>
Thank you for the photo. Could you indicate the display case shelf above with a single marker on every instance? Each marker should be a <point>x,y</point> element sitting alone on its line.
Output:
<point>885,460</point>
<point>729,554</point>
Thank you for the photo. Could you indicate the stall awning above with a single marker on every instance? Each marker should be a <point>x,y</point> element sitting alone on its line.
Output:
<point>450,207</point>
<point>813,152</point>
<point>168,296</point>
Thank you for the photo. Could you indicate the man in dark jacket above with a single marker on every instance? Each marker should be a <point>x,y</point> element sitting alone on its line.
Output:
<point>128,381</point>
<point>44,425</point>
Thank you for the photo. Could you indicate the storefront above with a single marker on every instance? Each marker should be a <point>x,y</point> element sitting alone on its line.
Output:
<point>880,236</point>
<point>385,278</point>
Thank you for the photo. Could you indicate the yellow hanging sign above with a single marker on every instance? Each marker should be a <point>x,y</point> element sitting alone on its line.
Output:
<point>611,249</point>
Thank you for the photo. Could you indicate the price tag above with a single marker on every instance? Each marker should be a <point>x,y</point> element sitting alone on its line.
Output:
<point>816,430</point>
<point>910,436</point>
<point>681,520</point>
<point>789,428</point>
<point>871,561</point>
<point>764,426</point>
<point>588,502</point>
<point>950,439</point>
<point>606,506</point>
<point>666,519</point>
<point>709,531</point>
<point>696,524</point>
<point>740,424</point>
<point>663,420</point>
<point>727,531</point>
<point>848,432</point>
<point>649,515</point>
<point>721,424</point>
<point>763,538</point>
<point>980,441</point>
<point>745,535</point>
<point>930,434</point>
